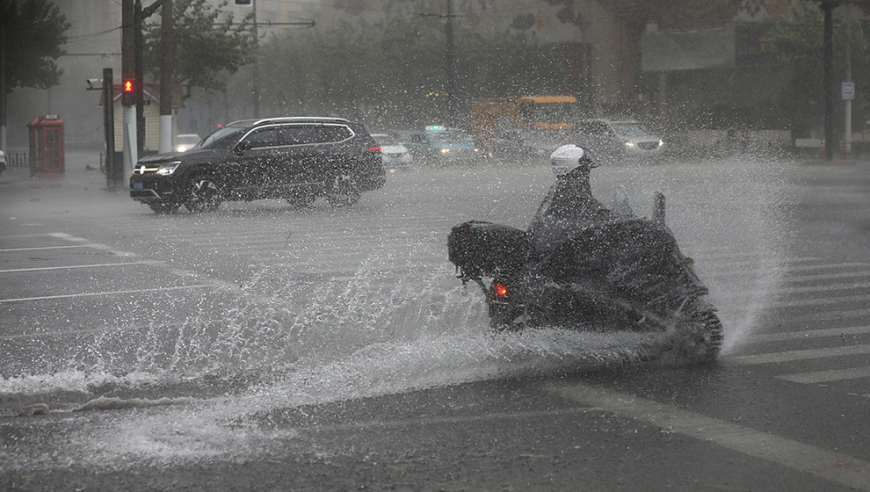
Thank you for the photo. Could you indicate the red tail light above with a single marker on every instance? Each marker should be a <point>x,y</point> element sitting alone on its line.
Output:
<point>500,290</point>
<point>375,150</point>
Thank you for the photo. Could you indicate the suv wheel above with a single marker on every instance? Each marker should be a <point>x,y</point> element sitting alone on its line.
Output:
<point>343,192</point>
<point>204,195</point>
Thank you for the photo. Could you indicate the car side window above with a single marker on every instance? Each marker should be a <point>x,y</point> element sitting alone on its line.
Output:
<point>336,133</point>
<point>262,137</point>
<point>316,134</point>
<point>293,135</point>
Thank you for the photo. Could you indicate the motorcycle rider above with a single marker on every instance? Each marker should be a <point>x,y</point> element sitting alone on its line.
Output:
<point>569,203</point>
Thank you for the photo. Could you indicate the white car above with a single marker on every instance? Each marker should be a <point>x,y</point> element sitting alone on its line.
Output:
<point>186,141</point>
<point>618,138</point>
<point>393,153</point>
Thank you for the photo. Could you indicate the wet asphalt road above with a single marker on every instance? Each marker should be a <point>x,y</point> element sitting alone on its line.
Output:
<point>95,289</point>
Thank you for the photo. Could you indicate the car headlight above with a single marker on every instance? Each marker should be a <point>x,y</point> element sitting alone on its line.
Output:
<point>445,151</point>
<point>168,168</point>
<point>629,144</point>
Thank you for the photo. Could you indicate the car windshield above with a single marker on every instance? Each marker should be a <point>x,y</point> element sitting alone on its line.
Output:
<point>451,138</point>
<point>224,138</point>
<point>630,129</point>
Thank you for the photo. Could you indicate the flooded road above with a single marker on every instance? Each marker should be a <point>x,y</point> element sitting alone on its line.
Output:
<point>324,339</point>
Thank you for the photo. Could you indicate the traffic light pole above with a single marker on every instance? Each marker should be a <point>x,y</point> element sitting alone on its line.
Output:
<point>128,76</point>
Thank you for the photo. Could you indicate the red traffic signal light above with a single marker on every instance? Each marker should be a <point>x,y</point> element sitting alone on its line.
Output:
<point>128,95</point>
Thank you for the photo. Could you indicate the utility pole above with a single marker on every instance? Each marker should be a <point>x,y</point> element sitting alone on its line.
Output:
<point>166,52</point>
<point>848,125</point>
<point>3,86</point>
<point>112,176</point>
<point>451,67</point>
<point>828,7</point>
<point>256,74</point>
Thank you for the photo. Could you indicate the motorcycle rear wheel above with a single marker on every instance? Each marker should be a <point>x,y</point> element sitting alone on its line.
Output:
<point>701,336</point>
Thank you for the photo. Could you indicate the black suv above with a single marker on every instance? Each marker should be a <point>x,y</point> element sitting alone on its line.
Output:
<point>298,159</point>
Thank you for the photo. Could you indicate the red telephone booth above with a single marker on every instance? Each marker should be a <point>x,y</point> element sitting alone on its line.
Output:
<point>46,144</point>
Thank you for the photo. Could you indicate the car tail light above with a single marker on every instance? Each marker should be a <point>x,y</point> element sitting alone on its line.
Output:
<point>500,290</point>
<point>375,150</point>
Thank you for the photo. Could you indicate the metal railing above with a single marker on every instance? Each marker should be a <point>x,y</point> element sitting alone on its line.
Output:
<point>18,159</point>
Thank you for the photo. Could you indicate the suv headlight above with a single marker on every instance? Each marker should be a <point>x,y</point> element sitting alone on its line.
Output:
<point>168,168</point>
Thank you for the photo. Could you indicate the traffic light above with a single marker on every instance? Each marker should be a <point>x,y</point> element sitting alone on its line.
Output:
<point>128,95</point>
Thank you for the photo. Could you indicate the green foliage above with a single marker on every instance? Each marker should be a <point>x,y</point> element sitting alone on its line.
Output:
<point>204,48</point>
<point>34,36</point>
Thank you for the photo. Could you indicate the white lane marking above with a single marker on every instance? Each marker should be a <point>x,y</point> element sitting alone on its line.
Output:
<point>72,267</point>
<point>828,465</point>
<point>818,301</point>
<point>40,248</point>
<point>807,334</point>
<point>794,355</point>
<point>74,239</point>
<point>107,293</point>
<point>100,330</point>
<point>824,288</point>
<point>829,315</point>
<point>827,376</point>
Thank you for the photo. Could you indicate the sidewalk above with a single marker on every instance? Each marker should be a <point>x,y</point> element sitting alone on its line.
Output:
<point>81,171</point>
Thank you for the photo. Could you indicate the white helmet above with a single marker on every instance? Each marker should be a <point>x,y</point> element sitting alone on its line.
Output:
<point>569,157</point>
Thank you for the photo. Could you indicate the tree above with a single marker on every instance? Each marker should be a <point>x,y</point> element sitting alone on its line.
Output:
<point>34,34</point>
<point>798,38</point>
<point>205,48</point>
<point>398,68</point>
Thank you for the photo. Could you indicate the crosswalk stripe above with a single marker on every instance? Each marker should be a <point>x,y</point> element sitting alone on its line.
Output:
<point>808,334</point>
<point>822,301</point>
<point>795,355</point>
<point>827,376</point>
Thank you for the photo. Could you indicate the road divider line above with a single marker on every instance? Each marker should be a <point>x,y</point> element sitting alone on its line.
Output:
<point>828,465</point>
<point>73,267</point>
<point>827,376</point>
<point>794,355</point>
<point>107,293</point>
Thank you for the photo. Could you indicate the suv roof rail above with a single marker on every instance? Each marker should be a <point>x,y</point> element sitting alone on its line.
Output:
<point>296,119</point>
<point>287,119</point>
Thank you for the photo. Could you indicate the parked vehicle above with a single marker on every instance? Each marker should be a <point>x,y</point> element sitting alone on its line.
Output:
<point>186,141</point>
<point>393,152</point>
<point>442,145</point>
<point>2,161</point>
<point>617,138</point>
<point>298,159</point>
<point>492,118</point>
